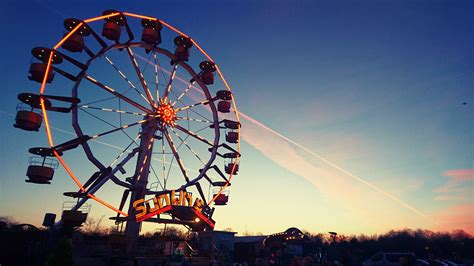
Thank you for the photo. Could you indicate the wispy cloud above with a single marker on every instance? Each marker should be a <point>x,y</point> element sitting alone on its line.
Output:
<point>334,167</point>
<point>460,174</point>
<point>364,201</point>
<point>456,217</point>
<point>459,186</point>
<point>400,187</point>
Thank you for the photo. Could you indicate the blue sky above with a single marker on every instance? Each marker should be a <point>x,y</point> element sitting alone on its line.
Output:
<point>376,88</point>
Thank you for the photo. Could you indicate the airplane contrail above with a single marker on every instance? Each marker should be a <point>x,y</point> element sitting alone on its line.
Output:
<point>333,165</point>
<point>301,146</point>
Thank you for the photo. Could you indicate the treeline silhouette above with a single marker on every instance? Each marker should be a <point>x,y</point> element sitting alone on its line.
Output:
<point>457,246</point>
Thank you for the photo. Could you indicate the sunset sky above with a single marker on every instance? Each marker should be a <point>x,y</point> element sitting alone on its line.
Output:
<point>357,116</point>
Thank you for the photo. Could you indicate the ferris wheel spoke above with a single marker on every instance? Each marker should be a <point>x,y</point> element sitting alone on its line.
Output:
<point>142,79</point>
<point>112,110</point>
<point>190,109</point>
<point>199,130</point>
<point>126,79</point>
<point>101,100</point>
<point>163,158</point>
<point>192,105</point>
<point>193,119</point>
<point>156,176</point>
<point>160,69</point>
<point>155,59</point>
<point>119,128</point>
<point>110,124</point>
<point>116,94</point>
<point>168,87</point>
<point>124,151</point>
<point>98,118</point>
<point>181,165</point>
<point>183,93</point>
<point>187,146</point>
<point>176,155</point>
<point>110,98</point>
<point>194,135</point>
<point>169,170</point>
<point>195,112</point>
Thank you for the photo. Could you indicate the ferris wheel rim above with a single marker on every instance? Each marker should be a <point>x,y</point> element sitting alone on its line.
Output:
<point>47,126</point>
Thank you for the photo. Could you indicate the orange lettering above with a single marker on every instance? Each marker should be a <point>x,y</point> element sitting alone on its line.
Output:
<point>140,210</point>
<point>198,203</point>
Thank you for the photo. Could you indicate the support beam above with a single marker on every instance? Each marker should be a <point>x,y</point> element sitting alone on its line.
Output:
<point>140,181</point>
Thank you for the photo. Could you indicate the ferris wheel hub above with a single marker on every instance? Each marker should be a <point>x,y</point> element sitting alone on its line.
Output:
<point>166,113</point>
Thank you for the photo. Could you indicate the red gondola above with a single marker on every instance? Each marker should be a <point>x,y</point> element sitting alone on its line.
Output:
<point>232,137</point>
<point>230,124</point>
<point>28,119</point>
<point>28,116</point>
<point>112,31</point>
<point>41,168</point>
<point>74,217</point>
<point>151,31</point>
<point>113,26</point>
<point>228,168</point>
<point>223,198</point>
<point>182,50</point>
<point>207,78</point>
<point>37,70</point>
<point>75,42</point>
<point>224,95</point>
<point>223,106</point>
<point>207,72</point>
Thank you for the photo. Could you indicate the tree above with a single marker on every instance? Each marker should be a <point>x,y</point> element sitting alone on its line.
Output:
<point>94,226</point>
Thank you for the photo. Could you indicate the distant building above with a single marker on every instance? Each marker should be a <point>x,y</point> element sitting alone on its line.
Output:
<point>218,245</point>
<point>248,248</point>
<point>278,248</point>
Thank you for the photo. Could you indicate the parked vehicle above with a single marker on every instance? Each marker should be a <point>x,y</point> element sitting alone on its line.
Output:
<point>450,263</point>
<point>422,262</point>
<point>391,258</point>
<point>438,263</point>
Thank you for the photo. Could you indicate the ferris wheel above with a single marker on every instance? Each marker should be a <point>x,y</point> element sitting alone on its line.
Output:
<point>155,130</point>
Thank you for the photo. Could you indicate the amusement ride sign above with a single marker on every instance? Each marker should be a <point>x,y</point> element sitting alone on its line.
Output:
<point>145,209</point>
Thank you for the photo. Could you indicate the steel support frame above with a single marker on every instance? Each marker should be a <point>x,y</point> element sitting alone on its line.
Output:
<point>140,181</point>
